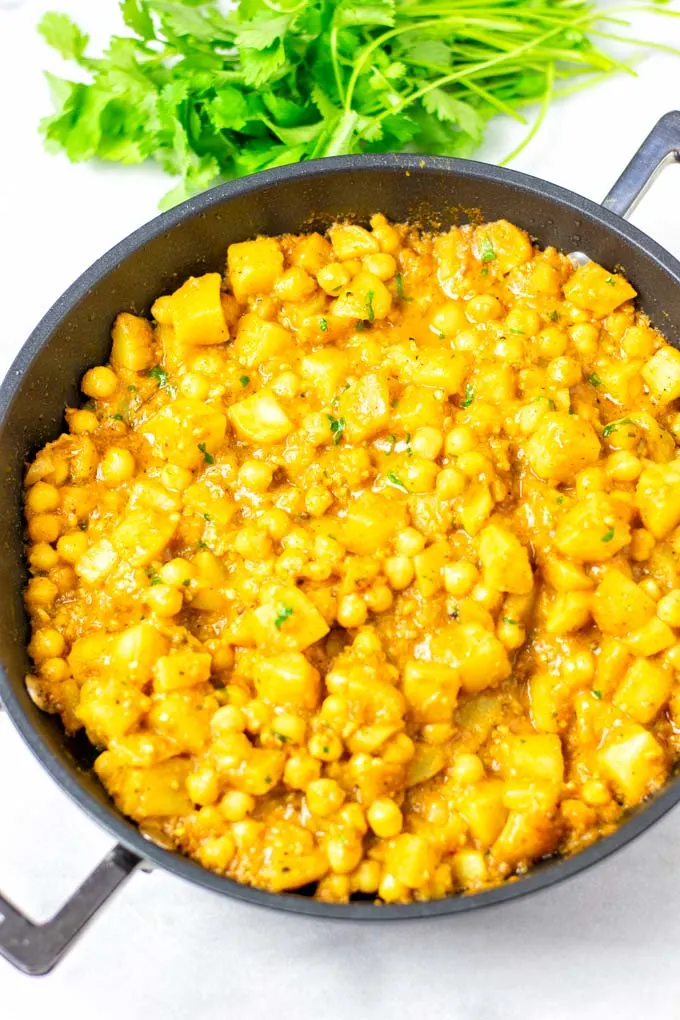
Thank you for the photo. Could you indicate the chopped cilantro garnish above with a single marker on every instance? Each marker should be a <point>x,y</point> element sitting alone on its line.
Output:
<point>594,379</point>
<point>244,380</point>
<point>508,619</point>
<point>398,279</point>
<point>154,576</point>
<point>283,613</point>
<point>554,315</point>
<point>159,374</point>
<point>598,695</point>
<point>611,281</point>
<point>608,536</point>
<point>485,271</point>
<point>323,325</point>
<point>337,428</point>
<point>369,306</point>
<point>117,417</point>
<point>207,457</point>
<point>393,480</point>
<point>560,499</point>
<point>486,250</point>
<point>608,429</point>
<point>469,395</point>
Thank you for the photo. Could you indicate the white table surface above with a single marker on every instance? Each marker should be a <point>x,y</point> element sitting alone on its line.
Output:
<point>604,944</point>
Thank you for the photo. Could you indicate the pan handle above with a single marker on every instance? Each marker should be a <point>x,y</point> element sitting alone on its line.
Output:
<point>35,948</point>
<point>659,149</point>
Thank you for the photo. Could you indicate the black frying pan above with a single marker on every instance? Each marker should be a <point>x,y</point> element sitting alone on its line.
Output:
<point>193,238</point>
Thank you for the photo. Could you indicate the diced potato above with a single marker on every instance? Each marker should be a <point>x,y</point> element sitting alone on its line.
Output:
<point>371,522</point>
<point>181,669</point>
<point>365,297</point>
<point>595,290</point>
<point>351,241</point>
<point>562,445</point>
<point>436,367</point>
<point>475,507</point>
<point>658,497</point>
<point>182,717</point>
<point>97,562</point>
<point>411,859</point>
<point>253,267</point>
<point>651,638</point>
<point>260,418</point>
<point>428,567</point>
<point>594,530</point>
<point>109,708</point>
<point>136,650</point>
<point>505,561</point>
<point>431,689</point>
<point>186,432</point>
<point>633,760</point>
<point>612,662</point>
<point>469,868</point>
<point>288,621</point>
<point>258,339</point>
<point>132,342</point>
<point>288,680</point>
<point>196,311</point>
<point>453,256</point>
<point>477,654</point>
<point>482,808</point>
<point>326,370</point>
<point>292,858</point>
<point>142,535</point>
<point>418,405</point>
<point>662,374</point>
<point>502,244</point>
<point>365,406</point>
<point>533,756</point>
<point>155,792</point>
<point>544,702</point>
<point>644,690</point>
<point>427,761</point>
<point>90,654</point>
<point>526,836</point>
<point>565,575</point>
<point>569,611</point>
<point>619,604</point>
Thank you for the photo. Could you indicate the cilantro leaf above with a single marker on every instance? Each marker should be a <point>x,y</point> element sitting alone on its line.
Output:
<point>159,374</point>
<point>395,482</point>
<point>337,428</point>
<point>469,396</point>
<point>207,457</point>
<point>283,613</point>
<point>60,32</point>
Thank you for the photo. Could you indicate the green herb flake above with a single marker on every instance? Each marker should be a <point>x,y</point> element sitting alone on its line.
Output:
<point>117,417</point>
<point>613,425</point>
<point>132,389</point>
<point>208,518</point>
<point>485,271</point>
<point>160,375</point>
<point>598,695</point>
<point>395,401</point>
<point>519,332</point>
<point>337,428</point>
<point>207,457</point>
<point>611,281</point>
<point>395,482</point>
<point>486,250</point>
<point>154,576</point>
<point>187,582</point>
<point>323,325</point>
<point>594,379</point>
<point>554,315</point>
<point>508,619</point>
<point>283,613</point>
<point>469,395</point>
<point>560,499</point>
<point>244,380</point>
<point>370,314</point>
<point>608,535</point>
<point>399,280</point>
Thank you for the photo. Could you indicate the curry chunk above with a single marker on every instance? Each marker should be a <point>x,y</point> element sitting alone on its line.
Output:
<point>359,566</point>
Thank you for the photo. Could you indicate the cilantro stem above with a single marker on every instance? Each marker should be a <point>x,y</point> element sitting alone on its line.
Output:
<point>547,98</point>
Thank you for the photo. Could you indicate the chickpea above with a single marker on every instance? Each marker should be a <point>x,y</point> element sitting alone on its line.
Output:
<point>42,498</point>
<point>195,385</point>
<point>483,308</point>
<point>203,786</point>
<point>235,805</point>
<point>564,371</point>
<point>427,442</point>
<point>324,797</point>
<point>47,643</point>
<point>42,556</point>
<point>551,342</point>
<point>100,382</point>
<point>176,478</point>
<point>177,572</point>
<point>117,466</point>
<point>459,440</point>
<point>624,466</point>
<point>399,571</point>
<point>450,483</point>
<point>386,236</point>
<point>44,528</point>
<point>332,278</point>
<point>351,611</point>
<point>382,265</point>
<point>385,818</point>
<point>585,338</point>
<point>343,854</point>
<point>82,422</point>
<point>379,598</point>
<point>325,746</point>
<point>317,500</point>
<point>164,600</point>
<point>460,578</point>
<point>72,546</point>
<point>55,671</point>
<point>409,542</point>
<point>228,719</point>
<point>301,770</point>
<point>449,318</point>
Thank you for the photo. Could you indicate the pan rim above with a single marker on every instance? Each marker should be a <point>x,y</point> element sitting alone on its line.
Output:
<point>540,876</point>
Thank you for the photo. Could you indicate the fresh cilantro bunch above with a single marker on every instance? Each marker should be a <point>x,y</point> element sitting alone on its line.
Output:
<point>212,95</point>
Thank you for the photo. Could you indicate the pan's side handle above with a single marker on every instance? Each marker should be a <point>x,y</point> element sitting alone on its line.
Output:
<point>659,149</point>
<point>35,948</point>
